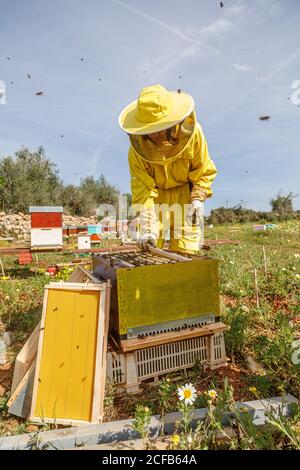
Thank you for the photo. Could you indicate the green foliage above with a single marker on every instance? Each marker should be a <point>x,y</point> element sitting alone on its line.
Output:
<point>64,274</point>
<point>283,204</point>
<point>141,421</point>
<point>3,404</point>
<point>109,401</point>
<point>282,209</point>
<point>28,178</point>
<point>237,320</point>
<point>276,351</point>
<point>86,198</point>
<point>262,384</point>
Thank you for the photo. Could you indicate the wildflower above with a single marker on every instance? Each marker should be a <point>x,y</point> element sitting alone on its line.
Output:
<point>7,297</point>
<point>212,394</point>
<point>175,439</point>
<point>283,269</point>
<point>243,409</point>
<point>253,390</point>
<point>190,439</point>
<point>5,278</point>
<point>231,262</point>
<point>297,255</point>
<point>187,393</point>
<point>297,276</point>
<point>245,308</point>
<point>241,291</point>
<point>146,409</point>
<point>280,388</point>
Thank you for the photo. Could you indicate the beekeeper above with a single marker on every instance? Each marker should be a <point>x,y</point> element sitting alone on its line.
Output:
<point>171,170</point>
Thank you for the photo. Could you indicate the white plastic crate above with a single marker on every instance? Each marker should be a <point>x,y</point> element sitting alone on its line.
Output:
<point>128,370</point>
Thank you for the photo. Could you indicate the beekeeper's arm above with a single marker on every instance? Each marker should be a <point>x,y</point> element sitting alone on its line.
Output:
<point>143,192</point>
<point>202,170</point>
<point>201,175</point>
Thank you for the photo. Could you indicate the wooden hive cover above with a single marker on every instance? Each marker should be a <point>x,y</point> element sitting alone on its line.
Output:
<point>70,358</point>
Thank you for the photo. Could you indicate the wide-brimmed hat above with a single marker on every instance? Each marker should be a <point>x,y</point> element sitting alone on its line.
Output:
<point>155,109</point>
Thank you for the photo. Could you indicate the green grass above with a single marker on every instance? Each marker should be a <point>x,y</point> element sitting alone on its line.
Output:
<point>264,333</point>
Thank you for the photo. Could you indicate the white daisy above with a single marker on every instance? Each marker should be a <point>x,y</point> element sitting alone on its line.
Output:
<point>187,393</point>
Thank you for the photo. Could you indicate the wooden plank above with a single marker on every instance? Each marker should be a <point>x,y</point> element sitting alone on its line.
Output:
<point>68,385</point>
<point>64,421</point>
<point>168,254</point>
<point>67,265</point>
<point>82,275</point>
<point>105,346</point>
<point>39,354</point>
<point>135,344</point>
<point>20,401</point>
<point>25,357</point>
<point>75,286</point>
<point>101,353</point>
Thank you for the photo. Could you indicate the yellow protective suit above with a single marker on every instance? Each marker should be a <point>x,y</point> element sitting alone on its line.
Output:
<point>176,172</point>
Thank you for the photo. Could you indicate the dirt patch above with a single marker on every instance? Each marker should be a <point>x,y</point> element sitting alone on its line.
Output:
<point>6,374</point>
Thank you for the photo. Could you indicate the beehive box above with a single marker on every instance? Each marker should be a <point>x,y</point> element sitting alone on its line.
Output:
<point>46,226</point>
<point>153,294</point>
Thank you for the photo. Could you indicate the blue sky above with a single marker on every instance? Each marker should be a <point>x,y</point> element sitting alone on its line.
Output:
<point>239,62</point>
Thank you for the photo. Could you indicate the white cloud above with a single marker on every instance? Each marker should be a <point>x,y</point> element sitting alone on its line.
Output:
<point>243,68</point>
<point>218,27</point>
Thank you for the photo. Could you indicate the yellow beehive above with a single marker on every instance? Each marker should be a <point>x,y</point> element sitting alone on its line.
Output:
<point>154,297</point>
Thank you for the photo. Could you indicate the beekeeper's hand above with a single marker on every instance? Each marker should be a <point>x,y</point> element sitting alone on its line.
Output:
<point>147,239</point>
<point>195,212</point>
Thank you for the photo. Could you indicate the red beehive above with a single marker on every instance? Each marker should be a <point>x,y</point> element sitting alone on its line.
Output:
<point>46,226</point>
<point>46,219</point>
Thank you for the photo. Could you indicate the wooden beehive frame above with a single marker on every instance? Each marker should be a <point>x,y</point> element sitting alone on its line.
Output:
<point>26,359</point>
<point>101,349</point>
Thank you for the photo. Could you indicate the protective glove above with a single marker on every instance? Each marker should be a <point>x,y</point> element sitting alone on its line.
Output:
<point>149,227</point>
<point>147,239</point>
<point>195,213</point>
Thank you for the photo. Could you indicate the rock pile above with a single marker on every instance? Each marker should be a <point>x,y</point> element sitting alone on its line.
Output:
<point>18,225</point>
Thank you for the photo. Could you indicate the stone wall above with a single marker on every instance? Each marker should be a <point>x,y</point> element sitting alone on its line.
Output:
<point>18,225</point>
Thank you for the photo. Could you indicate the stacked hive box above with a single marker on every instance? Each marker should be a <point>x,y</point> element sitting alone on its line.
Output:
<point>46,227</point>
<point>159,307</point>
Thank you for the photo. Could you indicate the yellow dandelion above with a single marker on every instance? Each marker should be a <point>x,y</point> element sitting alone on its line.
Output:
<point>175,439</point>
<point>253,390</point>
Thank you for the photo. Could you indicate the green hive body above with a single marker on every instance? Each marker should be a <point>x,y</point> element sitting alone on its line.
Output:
<point>160,297</point>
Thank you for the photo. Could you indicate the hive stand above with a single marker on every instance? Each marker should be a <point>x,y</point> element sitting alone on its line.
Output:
<point>161,354</point>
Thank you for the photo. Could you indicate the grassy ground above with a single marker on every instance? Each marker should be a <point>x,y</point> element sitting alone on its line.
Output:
<point>259,342</point>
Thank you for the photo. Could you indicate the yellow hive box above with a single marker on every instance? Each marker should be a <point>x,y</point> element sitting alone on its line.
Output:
<point>159,297</point>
